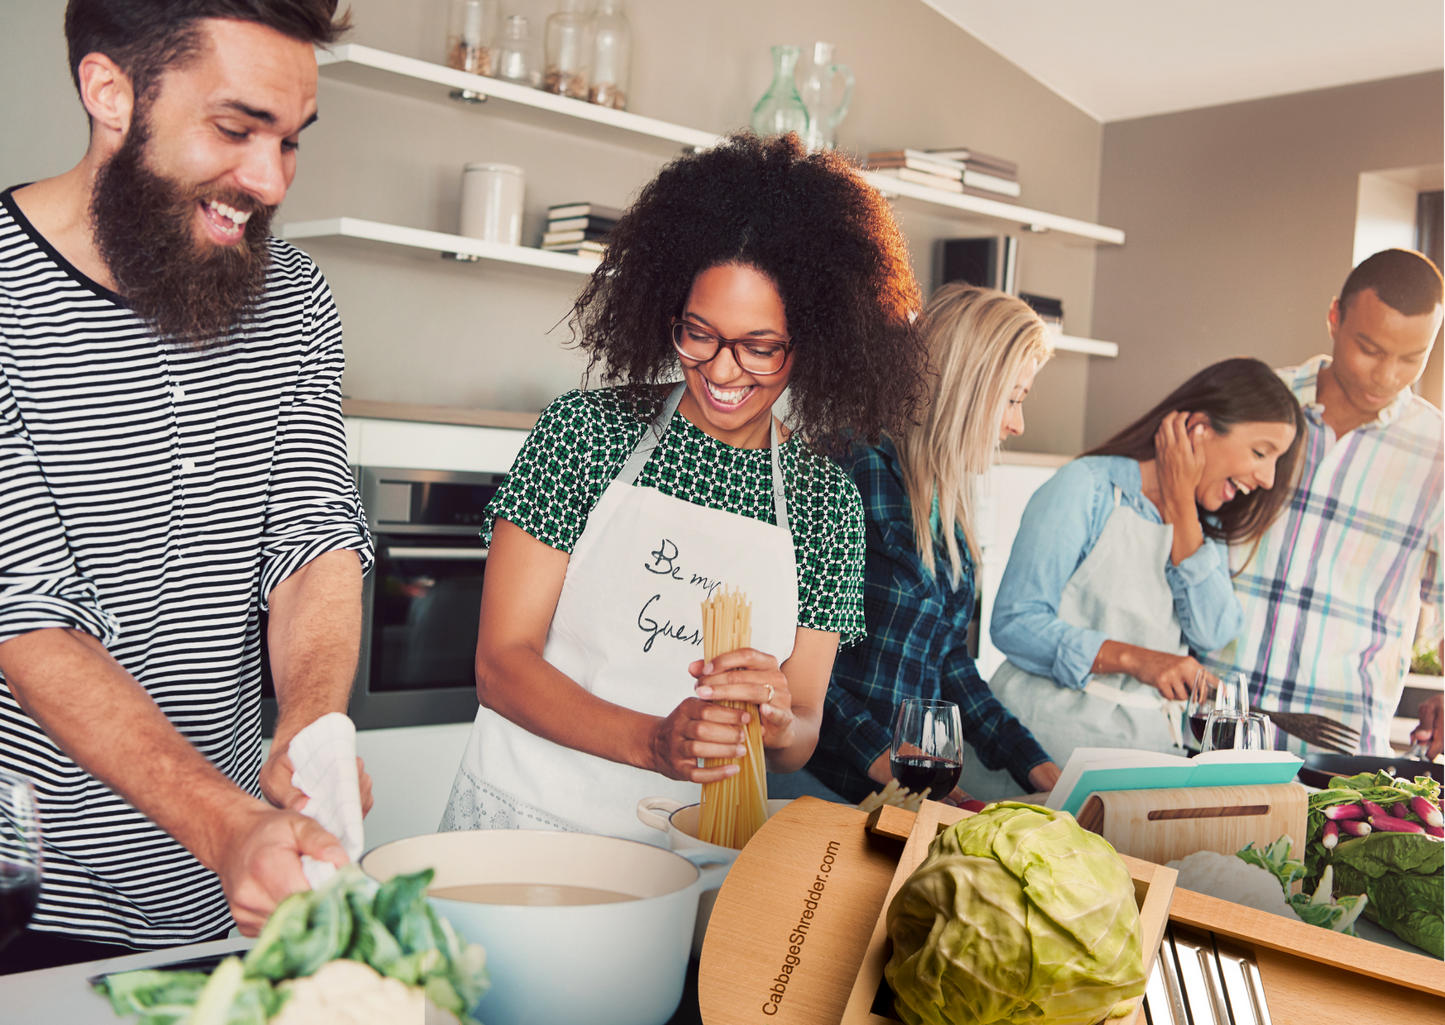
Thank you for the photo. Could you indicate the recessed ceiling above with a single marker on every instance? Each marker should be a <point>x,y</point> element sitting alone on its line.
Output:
<point>1119,59</point>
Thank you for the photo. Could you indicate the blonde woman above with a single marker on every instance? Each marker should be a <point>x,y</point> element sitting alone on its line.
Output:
<point>918,597</point>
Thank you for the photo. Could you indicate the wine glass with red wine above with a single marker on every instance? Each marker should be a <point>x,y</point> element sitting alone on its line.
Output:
<point>19,855</point>
<point>927,748</point>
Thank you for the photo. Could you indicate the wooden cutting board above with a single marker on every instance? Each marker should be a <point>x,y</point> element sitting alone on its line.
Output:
<point>793,918</point>
<point>1162,825</point>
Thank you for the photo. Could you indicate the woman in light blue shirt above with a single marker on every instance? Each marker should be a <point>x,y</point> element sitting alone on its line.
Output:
<point>1119,567</point>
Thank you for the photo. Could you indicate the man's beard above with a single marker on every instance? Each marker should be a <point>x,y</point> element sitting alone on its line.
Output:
<point>193,294</point>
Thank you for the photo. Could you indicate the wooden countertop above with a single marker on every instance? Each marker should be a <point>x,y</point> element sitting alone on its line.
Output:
<point>374,409</point>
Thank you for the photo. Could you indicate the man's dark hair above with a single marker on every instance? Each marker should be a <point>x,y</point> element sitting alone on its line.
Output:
<point>144,37</point>
<point>1405,281</point>
<point>818,231</point>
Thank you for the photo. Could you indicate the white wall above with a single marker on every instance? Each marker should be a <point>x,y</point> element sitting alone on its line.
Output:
<point>421,330</point>
<point>1384,218</point>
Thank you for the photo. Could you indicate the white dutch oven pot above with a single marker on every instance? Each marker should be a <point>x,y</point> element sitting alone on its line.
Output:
<point>593,964</point>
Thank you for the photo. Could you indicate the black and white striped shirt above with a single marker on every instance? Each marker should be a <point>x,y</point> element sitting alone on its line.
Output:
<point>153,496</point>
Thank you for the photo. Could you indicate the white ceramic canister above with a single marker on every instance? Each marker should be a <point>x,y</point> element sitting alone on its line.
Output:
<point>619,963</point>
<point>679,822</point>
<point>492,202</point>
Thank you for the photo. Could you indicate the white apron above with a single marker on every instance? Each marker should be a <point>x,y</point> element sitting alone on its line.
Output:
<point>628,623</point>
<point>1121,591</point>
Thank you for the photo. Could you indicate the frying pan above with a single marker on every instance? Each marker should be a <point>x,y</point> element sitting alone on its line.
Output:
<point>1318,769</point>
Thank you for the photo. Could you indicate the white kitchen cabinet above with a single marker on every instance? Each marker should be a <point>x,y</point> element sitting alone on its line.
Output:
<point>1003,496</point>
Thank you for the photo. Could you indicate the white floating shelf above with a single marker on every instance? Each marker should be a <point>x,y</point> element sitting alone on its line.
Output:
<point>436,241</point>
<point>407,76</point>
<point>1089,346</point>
<point>997,210</point>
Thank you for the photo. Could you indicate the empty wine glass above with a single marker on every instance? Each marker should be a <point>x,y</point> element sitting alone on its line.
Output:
<point>19,855</point>
<point>1230,731</point>
<point>927,748</point>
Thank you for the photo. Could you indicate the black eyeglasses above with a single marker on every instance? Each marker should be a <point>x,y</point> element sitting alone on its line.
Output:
<point>699,345</point>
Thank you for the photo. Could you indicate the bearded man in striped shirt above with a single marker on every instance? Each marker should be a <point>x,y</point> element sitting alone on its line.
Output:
<point>1333,594</point>
<point>172,463</point>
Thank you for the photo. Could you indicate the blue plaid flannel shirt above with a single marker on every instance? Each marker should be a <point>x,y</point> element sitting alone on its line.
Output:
<point>917,646</point>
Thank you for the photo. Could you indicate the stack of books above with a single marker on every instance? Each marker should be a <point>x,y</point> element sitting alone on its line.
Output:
<point>952,170</point>
<point>580,228</point>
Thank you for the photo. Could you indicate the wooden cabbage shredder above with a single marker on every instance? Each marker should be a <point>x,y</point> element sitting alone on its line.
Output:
<point>798,935</point>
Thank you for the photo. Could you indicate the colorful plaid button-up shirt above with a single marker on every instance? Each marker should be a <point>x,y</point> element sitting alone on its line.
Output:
<point>1332,597</point>
<point>917,646</point>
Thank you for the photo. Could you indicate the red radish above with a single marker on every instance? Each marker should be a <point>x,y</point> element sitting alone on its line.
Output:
<point>1372,809</point>
<point>1354,828</point>
<point>1400,810</point>
<point>1340,812</point>
<point>1428,812</point>
<point>1435,831</point>
<point>1390,824</point>
<point>1331,835</point>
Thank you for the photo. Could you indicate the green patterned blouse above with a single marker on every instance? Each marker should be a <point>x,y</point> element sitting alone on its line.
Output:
<point>583,438</point>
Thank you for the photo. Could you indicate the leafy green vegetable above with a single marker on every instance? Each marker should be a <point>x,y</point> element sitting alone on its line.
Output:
<point>1275,859</point>
<point>390,927</point>
<point>1403,874</point>
<point>1016,915</point>
<point>1426,659</point>
<point>1320,908</point>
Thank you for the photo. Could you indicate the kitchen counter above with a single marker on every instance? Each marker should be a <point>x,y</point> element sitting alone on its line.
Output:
<point>61,995</point>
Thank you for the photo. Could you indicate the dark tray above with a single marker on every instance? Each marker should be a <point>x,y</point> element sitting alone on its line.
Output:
<point>1319,769</point>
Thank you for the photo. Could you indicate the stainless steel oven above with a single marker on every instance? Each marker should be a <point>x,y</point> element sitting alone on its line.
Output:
<point>421,602</point>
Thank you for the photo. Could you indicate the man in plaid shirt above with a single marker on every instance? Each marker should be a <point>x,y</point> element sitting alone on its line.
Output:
<point>1333,594</point>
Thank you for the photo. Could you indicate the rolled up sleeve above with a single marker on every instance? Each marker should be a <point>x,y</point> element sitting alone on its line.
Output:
<point>40,586</point>
<point>850,732</point>
<point>1057,531</point>
<point>1204,601</point>
<point>312,507</point>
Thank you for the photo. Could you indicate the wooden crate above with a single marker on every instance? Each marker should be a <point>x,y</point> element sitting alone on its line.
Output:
<point>1153,890</point>
<point>833,869</point>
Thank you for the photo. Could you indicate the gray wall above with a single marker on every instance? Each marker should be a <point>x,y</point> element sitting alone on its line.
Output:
<point>1240,222</point>
<point>420,330</point>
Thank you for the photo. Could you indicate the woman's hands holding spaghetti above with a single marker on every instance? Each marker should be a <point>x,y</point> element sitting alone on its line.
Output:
<point>702,727</point>
<point>753,677</point>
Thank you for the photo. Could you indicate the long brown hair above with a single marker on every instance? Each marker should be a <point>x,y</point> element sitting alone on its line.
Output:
<point>1229,393</point>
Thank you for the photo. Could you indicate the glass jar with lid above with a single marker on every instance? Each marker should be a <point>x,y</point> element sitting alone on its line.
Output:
<point>515,60</point>
<point>611,55</point>
<point>567,43</point>
<point>471,31</point>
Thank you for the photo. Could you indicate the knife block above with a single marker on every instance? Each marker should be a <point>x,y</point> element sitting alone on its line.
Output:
<point>1163,825</point>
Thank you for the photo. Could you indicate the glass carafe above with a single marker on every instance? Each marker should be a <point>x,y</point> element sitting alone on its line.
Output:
<point>817,92</point>
<point>611,56</point>
<point>515,62</point>
<point>470,33</point>
<point>781,108</point>
<point>568,45</point>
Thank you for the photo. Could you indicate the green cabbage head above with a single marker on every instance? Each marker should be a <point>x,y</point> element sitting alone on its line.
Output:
<point>1019,915</point>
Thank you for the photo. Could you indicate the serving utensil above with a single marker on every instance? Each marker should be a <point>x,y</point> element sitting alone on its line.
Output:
<point>1314,729</point>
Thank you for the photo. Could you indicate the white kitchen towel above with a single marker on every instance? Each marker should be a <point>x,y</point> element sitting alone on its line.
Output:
<point>323,767</point>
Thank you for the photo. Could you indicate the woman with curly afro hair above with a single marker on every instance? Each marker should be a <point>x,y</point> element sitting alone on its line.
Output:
<point>738,272</point>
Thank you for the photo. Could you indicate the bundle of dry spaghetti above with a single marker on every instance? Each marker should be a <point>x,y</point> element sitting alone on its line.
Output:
<point>735,808</point>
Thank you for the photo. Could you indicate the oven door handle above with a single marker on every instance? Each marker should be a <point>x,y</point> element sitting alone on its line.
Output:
<point>443,554</point>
